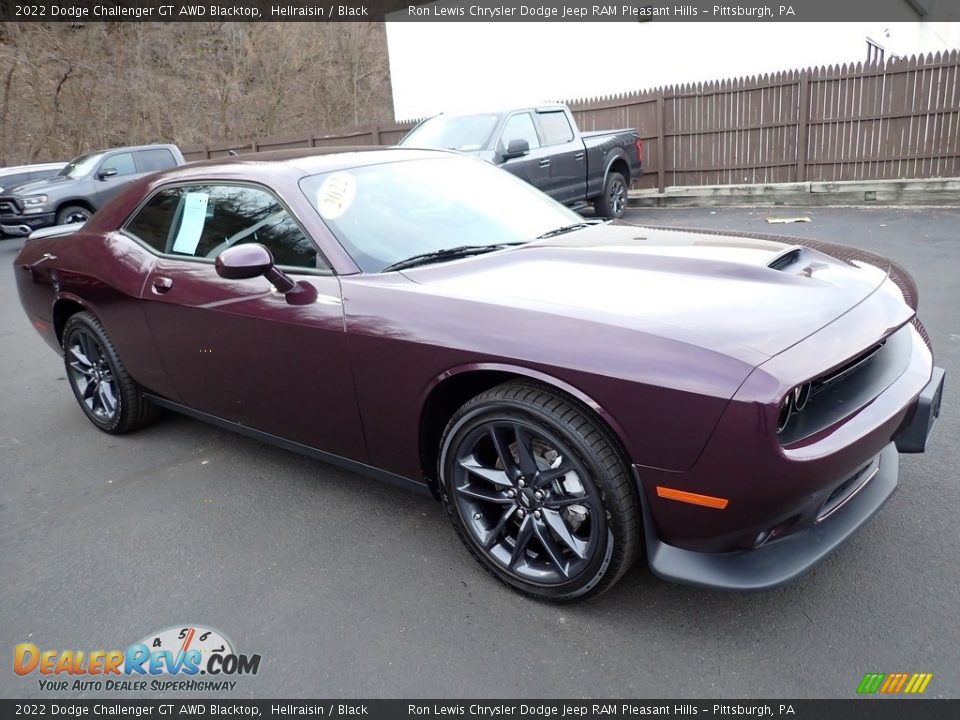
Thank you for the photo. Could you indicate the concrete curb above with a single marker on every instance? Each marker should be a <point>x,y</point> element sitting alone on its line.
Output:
<point>937,192</point>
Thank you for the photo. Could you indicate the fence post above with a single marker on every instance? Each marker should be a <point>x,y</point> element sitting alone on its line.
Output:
<point>661,146</point>
<point>803,112</point>
<point>376,134</point>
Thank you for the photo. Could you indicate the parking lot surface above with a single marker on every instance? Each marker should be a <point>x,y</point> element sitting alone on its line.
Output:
<point>351,588</point>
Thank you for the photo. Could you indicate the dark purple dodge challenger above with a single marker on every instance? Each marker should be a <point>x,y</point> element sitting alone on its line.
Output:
<point>573,391</point>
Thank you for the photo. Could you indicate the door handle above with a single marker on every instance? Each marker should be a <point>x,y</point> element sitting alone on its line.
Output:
<point>578,156</point>
<point>161,285</point>
<point>545,162</point>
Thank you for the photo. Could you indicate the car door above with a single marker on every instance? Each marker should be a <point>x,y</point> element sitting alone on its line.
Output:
<point>534,167</point>
<point>236,349</point>
<point>113,174</point>
<point>568,162</point>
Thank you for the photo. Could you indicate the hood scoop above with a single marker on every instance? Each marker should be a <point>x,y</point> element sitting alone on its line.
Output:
<point>782,260</point>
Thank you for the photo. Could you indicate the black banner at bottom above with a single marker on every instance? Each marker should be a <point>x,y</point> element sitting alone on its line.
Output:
<point>853,709</point>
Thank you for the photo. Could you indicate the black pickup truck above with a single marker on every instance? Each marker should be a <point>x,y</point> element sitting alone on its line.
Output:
<point>543,146</point>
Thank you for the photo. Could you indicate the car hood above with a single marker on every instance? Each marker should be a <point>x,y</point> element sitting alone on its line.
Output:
<point>714,291</point>
<point>37,187</point>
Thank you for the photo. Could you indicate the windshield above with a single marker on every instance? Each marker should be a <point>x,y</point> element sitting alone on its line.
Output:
<point>81,166</point>
<point>382,214</point>
<point>466,133</point>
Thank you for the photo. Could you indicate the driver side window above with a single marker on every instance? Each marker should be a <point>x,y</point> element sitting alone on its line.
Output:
<point>121,162</point>
<point>519,127</point>
<point>204,220</point>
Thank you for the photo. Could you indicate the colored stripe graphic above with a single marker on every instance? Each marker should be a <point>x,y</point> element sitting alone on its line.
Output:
<point>871,682</point>
<point>894,683</point>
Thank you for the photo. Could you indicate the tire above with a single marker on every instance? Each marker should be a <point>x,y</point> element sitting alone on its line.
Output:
<point>73,214</point>
<point>522,464</point>
<point>106,393</point>
<point>613,202</point>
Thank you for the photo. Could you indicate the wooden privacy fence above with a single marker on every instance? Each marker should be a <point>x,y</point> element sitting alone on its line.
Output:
<point>899,119</point>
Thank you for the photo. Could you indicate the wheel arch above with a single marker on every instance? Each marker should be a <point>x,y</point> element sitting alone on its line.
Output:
<point>64,307</point>
<point>79,202</point>
<point>450,390</point>
<point>618,163</point>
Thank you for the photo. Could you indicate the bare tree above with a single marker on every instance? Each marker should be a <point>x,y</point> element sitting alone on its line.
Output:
<point>72,87</point>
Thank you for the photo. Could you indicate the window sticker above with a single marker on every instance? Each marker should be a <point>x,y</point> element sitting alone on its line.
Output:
<point>191,227</point>
<point>336,194</point>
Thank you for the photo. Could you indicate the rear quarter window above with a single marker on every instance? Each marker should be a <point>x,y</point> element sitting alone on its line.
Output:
<point>156,220</point>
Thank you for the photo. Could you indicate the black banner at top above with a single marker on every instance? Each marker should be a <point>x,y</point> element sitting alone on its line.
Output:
<point>74,11</point>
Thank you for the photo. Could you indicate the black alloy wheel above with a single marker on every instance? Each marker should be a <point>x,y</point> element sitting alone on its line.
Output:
<point>92,377</point>
<point>537,493</point>
<point>108,396</point>
<point>613,202</point>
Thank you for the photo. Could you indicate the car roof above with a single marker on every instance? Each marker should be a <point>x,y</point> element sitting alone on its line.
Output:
<point>500,111</point>
<point>151,146</point>
<point>304,161</point>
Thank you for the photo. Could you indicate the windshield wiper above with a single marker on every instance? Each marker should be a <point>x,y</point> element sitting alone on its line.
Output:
<point>446,254</point>
<point>562,230</point>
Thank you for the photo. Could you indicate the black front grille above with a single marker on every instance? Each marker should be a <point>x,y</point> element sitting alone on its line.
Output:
<point>824,381</point>
<point>9,208</point>
<point>842,391</point>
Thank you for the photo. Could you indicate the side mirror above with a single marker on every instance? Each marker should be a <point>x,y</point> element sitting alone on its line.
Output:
<point>241,262</point>
<point>251,260</point>
<point>516,148</point>
<point>106,172</point>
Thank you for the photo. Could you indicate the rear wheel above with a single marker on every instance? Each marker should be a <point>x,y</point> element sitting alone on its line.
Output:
<point>107,394</point>
<point>613,202</point>
<point>538,493</point>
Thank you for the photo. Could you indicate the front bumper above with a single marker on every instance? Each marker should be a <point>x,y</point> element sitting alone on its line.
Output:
<point>913,438</point>
<point>23,225</point>
<point>783,560</point>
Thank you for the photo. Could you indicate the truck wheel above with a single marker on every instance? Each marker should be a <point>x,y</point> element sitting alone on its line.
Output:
<point>538,493</point>
<point>73,214</point>
<point>613,202</point>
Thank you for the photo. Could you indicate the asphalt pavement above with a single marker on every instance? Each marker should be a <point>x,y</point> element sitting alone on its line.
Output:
<point>347,587</point>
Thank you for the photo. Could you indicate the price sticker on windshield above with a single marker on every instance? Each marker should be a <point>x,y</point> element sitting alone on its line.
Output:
<point>336,195</point>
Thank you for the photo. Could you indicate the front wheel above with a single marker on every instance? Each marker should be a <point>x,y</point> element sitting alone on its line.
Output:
<point>613,202</point>
<point>538,493</point>
<point>108,396</point>
<point>73,214</point>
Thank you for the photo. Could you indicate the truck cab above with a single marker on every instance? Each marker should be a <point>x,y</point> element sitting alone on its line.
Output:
<point>543,146</point>
<point>81,187</point>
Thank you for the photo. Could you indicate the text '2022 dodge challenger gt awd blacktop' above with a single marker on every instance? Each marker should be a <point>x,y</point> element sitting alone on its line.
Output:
<point>574,391</point>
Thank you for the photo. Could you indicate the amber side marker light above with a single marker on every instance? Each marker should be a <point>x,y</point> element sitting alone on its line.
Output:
<point>693,498</point>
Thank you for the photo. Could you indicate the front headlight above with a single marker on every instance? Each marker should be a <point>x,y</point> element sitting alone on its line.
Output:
<point>34,201</point>
<point>794,402</point>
